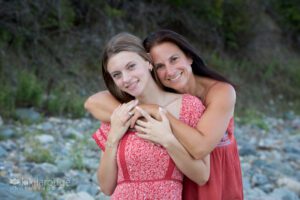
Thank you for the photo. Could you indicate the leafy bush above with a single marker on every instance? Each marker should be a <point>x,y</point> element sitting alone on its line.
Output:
<point>29,90</point>
<point>61,102</point>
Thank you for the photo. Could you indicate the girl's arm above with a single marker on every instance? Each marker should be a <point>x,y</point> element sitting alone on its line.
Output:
<point>108,170</point>
<point>196,170</point>
<point>101,105</point>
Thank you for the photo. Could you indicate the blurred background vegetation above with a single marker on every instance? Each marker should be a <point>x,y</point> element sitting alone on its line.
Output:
<point>50,50</point>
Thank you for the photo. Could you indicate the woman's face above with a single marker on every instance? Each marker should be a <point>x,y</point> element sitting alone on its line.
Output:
<point>129,71</point>
<point>172,66</point>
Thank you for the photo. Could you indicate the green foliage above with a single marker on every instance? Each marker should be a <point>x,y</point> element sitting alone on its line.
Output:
<point>7,105</point>
<point>60,102</point>
<point>113,12</point>
<point>61,16</point>
<point>255,118</point>
<point>29,90</point>
<point>38,153</point>
<point>236,24</point>
<point>289,14</point>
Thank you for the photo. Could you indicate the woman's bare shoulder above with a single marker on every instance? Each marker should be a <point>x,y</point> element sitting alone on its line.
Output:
<point>221,93</point>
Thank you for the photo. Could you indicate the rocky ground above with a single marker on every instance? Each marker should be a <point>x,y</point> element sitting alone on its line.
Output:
<point>55,158</point>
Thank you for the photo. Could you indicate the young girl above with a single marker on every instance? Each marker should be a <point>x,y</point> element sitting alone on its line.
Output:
<point>132,165</point>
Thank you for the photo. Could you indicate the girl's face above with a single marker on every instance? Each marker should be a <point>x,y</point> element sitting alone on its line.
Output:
<point>129,71</point>
<point>172,66</point>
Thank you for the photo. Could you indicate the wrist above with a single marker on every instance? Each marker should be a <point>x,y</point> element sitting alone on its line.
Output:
<point>169,142</point>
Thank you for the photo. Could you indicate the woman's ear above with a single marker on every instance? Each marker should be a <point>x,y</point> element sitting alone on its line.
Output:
<point>190,60</point>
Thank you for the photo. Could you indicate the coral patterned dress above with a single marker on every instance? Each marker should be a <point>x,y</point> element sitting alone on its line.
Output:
<point>145,170</point>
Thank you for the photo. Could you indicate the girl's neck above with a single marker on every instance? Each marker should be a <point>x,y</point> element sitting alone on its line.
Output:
<point>153,94</point>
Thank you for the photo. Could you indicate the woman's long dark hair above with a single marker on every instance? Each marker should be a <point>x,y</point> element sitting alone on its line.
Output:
<point>198,66</point>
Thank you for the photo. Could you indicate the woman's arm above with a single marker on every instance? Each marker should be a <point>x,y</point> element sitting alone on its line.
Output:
<point>101,105</point>
<point>212,125</point>
<point>196,170</point>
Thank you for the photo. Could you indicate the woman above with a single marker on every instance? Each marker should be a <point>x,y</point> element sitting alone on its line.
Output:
<point>214,131</point>
<point>132,165</point>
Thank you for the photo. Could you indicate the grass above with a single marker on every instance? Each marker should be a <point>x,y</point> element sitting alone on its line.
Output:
<point>38,153</point>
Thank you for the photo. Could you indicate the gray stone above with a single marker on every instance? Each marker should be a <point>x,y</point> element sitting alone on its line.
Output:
<point>283,194</point>
<point>8,192</point>
<point>7,132</point>
<point>78,196</point>
<point>45,139</point>
<point>28,115</point>
<point>3,152</point>
<point>92,189</point>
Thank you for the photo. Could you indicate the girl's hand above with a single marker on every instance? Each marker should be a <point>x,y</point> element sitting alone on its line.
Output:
<point>158,132</point>
<point>120,120</point>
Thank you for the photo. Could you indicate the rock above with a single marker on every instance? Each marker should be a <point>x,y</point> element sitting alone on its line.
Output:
<point>290,184</point>
<point>92,189</point>
<point>7,132</point>
<point>45,139</point>
<point>8,192</point>
<point>282,194</point>
<point>3,152</point>
<point>78,196</point>
<point>28,115</point>
<point>44,170</point>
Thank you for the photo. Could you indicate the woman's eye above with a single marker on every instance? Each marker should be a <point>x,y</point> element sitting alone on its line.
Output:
<point>131,66</point>
<point>173,59</point>
<point>158,66</point>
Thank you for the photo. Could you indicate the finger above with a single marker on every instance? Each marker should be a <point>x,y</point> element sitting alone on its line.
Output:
<point>162,113</point>
<point>143,136</point>
<point>144,114</point>
<point>135,117</point>
<point>142,123</point>
<point>141,129</point>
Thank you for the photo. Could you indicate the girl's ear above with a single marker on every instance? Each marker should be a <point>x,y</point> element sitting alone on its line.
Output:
<point>150,66</point>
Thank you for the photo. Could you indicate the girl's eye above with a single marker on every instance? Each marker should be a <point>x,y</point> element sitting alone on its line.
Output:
<point>116,75</point>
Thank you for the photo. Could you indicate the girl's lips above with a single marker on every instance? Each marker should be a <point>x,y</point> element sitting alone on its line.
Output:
<point>132,86</point>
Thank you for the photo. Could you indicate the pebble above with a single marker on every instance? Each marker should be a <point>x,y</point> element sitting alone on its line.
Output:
<point>270,159</point>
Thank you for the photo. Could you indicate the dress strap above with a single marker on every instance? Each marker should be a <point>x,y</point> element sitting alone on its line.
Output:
<point>170,169</point>
<point>123,164</point>
<point>208,89</point>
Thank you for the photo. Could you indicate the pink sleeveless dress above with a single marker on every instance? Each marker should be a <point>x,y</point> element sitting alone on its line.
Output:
<point>225,181</point>
<point>146,171</point>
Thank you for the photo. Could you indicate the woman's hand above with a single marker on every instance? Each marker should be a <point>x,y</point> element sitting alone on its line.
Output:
<point>151,109</point>
<point>158,132</point>
<point>120,120</point>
